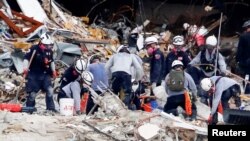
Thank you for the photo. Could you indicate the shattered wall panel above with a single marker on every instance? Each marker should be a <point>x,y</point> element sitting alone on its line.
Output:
<point>32,8</point>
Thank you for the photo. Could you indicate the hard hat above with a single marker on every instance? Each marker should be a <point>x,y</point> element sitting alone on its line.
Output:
<point>46,39</point>
<point>206,84</point>
<point>94,57</point>
<point>178,40</point>
<point>211,40</point>
<point>192,29</point>
<point>80,65</point>
<point>87,77</point>
<point>186,26</point>
<point>246,24</point>
<point>177,62</point>
<point>150,40</point>
<point>202,31</point>
<point>121,47</point>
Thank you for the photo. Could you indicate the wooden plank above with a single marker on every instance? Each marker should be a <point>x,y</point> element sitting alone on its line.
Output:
<point>18,30</point>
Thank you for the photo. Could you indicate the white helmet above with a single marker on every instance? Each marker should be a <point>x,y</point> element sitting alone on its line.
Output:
<point>202,31</point>
<point>80,65</point>
<point>46,39</point>
<point>178,40</point>
<point>150,40</point>
<point>186,26</point>
<point>121,47</point>
<point>211,40</point>
<point>87,77</point>
<point>206,84</point>
<point>246,24</point>
<point>177,62</point>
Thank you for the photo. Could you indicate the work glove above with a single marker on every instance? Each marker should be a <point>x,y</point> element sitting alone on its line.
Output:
<point>46,61</point>
<point>208,8</point>
<point>194,98</point>
<point>54,74</point>
<point>210,120</point>
<point>241,107</point>
<point>25,73</point>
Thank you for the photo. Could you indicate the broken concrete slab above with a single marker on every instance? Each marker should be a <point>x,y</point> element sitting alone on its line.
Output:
<point>148,131</point>
<point>32,8</point>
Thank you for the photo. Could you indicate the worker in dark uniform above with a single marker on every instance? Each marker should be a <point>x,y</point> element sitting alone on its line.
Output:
<point>74,89</point>
<point>40,71</point>
<point>73,72</point>
<point>177,53</point>
<point>157,61</point>
<point>242,55</point>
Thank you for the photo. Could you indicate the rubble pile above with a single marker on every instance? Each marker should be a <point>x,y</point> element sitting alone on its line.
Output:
<point>113,121</point>
<point>72,35</point>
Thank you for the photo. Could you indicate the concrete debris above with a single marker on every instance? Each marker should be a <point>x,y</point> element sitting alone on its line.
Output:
<point>148,131</point>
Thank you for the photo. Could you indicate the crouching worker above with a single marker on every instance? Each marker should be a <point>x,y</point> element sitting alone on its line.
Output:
<point>220,90</point>
<point>178,85</point>
<point>119,67</point>
<point>75,89</point>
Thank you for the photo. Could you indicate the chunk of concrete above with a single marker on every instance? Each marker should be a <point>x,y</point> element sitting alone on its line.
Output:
<point>148,131</point>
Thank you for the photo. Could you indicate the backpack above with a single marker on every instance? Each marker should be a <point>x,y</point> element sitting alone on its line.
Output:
<point>176,80</point>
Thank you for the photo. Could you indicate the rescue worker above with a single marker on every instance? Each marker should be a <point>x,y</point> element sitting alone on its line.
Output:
<point>119,68</point>
<point>177,53</point>
<point>73,72</point>
<point>156,62</point>
<point>179,85</point>
<point>100,83</point>
<point>207,59</point>
<point>242,54</point>
<point>203,65</point>
<point>40,71</point>
<point>74,90</point>
<point>220,90</point>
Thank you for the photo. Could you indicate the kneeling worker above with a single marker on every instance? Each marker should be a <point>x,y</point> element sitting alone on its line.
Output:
<point>178,85</point>
<point>220,90</point>
<point>74,90</point>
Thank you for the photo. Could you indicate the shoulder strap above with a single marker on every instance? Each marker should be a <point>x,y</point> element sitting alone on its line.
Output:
<point>217,80</point>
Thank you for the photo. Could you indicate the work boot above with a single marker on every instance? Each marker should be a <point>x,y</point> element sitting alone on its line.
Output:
<point>29,109</point>
<point>193,116</point>
<point>127,100</point>
<point>31,99</point>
